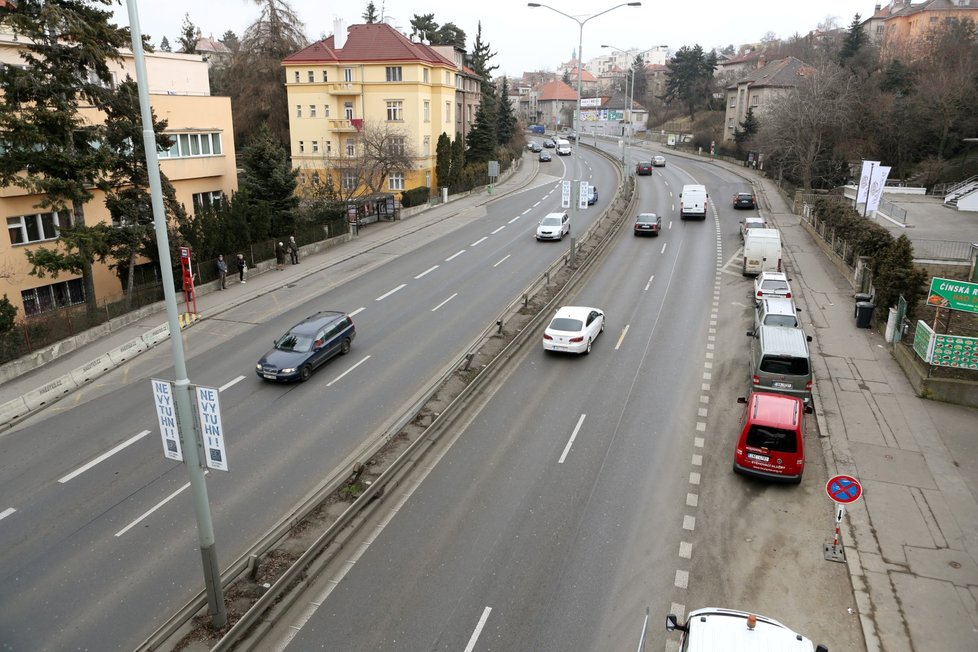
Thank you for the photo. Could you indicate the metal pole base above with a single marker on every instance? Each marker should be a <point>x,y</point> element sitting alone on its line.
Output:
<point>834,552</point>
<point>212,586</point>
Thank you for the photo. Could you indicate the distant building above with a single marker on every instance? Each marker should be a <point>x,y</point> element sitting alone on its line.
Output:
<point>468,90</point>
<point>758,89</point>
<point>213,51</point>
<point>556,103</point>
<point>610,116</point>
<point>899,24</point>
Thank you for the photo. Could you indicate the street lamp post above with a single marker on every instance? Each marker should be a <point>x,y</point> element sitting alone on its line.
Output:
<point>575,184</point>
<point>630,98</point>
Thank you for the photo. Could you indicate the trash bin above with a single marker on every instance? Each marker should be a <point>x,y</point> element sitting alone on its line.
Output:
<point>864,314</point>
<point>860,297</point>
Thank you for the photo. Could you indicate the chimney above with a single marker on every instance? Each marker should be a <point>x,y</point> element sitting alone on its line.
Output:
<point>339,33</point>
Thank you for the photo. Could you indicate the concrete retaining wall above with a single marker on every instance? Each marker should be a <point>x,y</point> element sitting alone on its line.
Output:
<point>948,390</point>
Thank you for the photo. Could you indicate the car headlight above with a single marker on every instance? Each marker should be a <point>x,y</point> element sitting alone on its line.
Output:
<point>258,366</point>
<point>288,371</point>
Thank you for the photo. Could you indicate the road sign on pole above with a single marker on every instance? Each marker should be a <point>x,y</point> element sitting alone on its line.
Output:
<point>211,429</point>
<point>842,490</point>
<point>565,193</point>
<point>166,414</point>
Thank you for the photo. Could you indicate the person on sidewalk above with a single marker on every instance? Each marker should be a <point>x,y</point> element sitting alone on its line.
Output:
<point>280,256</point>
<point>222,271</point>
<point>293,250</point>
<point>242,266</point>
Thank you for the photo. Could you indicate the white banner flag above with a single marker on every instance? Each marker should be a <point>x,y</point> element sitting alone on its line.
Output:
<point>864,179</point>
<point>876,186</point>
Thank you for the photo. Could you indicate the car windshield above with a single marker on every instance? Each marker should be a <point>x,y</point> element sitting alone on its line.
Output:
<point>780,320</point>
<point>567,324</point>
<point>774,285</point>
<point>753,225</point>
<point>294,342</point>
<point>784,365</point>
<point>774,439</point>
<point>550,221</point>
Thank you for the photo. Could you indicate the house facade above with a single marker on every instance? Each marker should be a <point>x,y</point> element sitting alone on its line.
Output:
<point>369,77</point>
<point>468,90</point>
<point>901,23</point>
<point>555,105</point>
<point>758,89</point>
<point>200,164</point>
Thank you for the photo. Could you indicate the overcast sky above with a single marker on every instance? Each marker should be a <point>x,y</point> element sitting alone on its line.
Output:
<point>527,38</point>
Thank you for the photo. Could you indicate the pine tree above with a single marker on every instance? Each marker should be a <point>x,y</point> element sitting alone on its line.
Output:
<point>458,165</point>
<point>268,185</point>
<point>853,42</point>
<point>189,35</point>
<point>505,117</point>
<point>370,14</point>
<point>747,129</point>
<point>480,57</point>
<point>443,160</point>
<point>165,45</point>
<point>482,139</point>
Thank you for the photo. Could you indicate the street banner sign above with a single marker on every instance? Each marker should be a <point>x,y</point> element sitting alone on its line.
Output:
<point>565,193</point>
<point>166,413</point>
<point>211,430</point>
<point>843,489</point>
<point>582,199</point>
<point>953,294</point>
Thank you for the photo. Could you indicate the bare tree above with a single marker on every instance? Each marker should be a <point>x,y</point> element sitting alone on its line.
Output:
<point>385,149</point>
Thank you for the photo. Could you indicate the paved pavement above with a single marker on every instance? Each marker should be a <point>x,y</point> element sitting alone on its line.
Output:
<point>911,544</point>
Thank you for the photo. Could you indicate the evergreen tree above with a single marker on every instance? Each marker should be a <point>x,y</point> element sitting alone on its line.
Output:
<point>49,150</point>
<point>458,165</point>
<point>230,41</point>
<point>443,160</point>
<point>370,14</point>
<point>853,42</point>
<point>423,27</point>
<point>189,35</point>
<point>482,140</point>
<point>165,45</point>
<point>894,274</point>
<point>8,315</point>
<point>479,60</point>
<point>505,117</point>
<point>449,34</point>
<point>566,78</point>
<point>268,186</point>
<point>747,129</point>
<point>640,81</point>
<point>690,78</point>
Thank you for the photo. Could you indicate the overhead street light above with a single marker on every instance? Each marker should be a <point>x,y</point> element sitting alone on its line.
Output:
<point>630,98</point>
<point>575,184</point>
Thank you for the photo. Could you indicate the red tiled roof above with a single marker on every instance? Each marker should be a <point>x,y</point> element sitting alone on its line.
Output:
<point>556,90</point>
<point>368,42</point>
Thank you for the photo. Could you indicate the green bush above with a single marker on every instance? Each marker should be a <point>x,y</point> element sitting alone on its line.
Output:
<point>415,196</point>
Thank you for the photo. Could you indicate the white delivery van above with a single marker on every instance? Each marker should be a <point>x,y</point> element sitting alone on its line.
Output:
<point>563,147</point>
<point>693,202</point>
<point>762,251</point>
<point>728,630</point>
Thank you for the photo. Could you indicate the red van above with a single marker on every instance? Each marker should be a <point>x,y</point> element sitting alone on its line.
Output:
<point>771,443</point>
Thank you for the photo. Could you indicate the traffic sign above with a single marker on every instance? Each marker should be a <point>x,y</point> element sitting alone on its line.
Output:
<point>843,489</point>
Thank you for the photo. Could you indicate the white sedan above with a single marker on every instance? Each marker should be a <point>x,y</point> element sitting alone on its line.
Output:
<point>769,285</point>
<point>573,329</point>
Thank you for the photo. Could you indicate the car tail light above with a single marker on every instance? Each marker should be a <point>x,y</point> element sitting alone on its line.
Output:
<point>547,337</point>
<point>754,379</point>
<point>787,295</point>
<point>575,340</point>
<point>808,386</point>
<point>760,294</point>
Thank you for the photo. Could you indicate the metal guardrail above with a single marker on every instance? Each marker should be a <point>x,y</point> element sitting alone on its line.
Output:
<point>952,250</point>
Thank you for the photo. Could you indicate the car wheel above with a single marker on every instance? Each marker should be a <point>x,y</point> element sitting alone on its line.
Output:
<point>305,373</point>
<point>588,349</point>
<point>602,326</point>
<point>345,347</point>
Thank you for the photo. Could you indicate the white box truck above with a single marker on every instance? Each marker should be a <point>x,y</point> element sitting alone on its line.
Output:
<point>693,201</point>
<point>762,252</point>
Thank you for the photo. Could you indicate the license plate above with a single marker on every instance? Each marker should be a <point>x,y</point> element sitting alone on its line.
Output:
<point>759,458</point>
<point>781,385</point>
<point>269,376</point>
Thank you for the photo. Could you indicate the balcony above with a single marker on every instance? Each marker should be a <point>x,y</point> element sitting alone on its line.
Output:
<point>343,125</point>
<point>345,88</point>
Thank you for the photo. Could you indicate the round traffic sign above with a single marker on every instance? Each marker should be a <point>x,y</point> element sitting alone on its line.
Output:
<point>843,489</point>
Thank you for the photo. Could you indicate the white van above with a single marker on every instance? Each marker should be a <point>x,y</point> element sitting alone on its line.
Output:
<point>693,201</point>
<point>762,251</point>
<point>728,630</point>
<point>563,147</point>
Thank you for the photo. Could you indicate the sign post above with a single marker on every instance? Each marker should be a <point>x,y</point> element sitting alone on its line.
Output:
<point>842,490</point>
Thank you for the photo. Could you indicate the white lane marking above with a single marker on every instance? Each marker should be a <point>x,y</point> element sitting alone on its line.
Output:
<point>427,271</point>
<point>527,211</point>
<point>482,239</point>
<point>158,505</point>
<point>7,512</point>
<point>664,245</point>
<point>497,230</point>
<point>621,337</point>
<point>230,383</point>
<point>649,284</point>
<point>515,218</point>
<point>444,302</point>
<point>358,311</point>
<point>387,294</point>
<point>340,377</point>
<point>502,260</point>
<point>570,441</point>
<point>104,456</point>
<point>455,255</point>
<point>478,630</point>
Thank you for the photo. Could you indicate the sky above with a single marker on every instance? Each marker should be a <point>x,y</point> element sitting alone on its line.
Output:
<point>530,39</point>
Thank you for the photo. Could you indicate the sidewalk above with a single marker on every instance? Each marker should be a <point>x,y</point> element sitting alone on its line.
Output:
<point>911,542</point>
<point>212,301</point>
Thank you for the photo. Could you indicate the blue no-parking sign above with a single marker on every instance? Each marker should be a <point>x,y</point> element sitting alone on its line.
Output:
<point>843,489</point>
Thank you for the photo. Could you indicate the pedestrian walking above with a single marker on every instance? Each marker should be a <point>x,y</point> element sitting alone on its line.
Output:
<point>222,271</point>
<point>242,266</point>
<point>280,256</point>
<point>293,250</point>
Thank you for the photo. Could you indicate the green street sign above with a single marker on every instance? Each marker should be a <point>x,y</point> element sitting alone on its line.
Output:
<point>956,295</point>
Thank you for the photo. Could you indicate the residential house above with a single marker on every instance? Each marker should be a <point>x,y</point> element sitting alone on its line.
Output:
<point>556,103</point>
<point>656,78</point>
<point>610,115</point>
<point>759,88</point>
<point>468,90</point>
<point>213,51</point>
<point>368,77</point>
<point>900,24</point>
<point>200,164</point>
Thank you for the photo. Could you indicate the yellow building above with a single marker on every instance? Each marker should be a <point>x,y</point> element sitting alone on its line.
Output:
<point>200,165</point>
<point>902,24</point>
<point>368,83</point>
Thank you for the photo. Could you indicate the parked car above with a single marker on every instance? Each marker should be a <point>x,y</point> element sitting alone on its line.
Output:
<point>648,224</point>
<point>306,346</point>
<point>744,200</point>
<point>554,226</point>
<point>771,445</point>
<point>659,161</point>
<point>592,195</point>
<point>772,284</point>
<point>776,312</point>
<point>643,168</point>
<point>544,157</point>
<point>573,329</point>
<point>751,223</point>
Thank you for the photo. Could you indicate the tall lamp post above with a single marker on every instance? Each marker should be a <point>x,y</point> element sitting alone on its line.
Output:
<point>630,98</point>
<point>575,184</point>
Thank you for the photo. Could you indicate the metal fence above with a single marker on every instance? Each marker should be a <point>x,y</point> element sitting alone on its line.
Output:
<point>955,250</point>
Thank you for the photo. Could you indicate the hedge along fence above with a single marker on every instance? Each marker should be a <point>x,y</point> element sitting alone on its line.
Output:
<point>415,196</point>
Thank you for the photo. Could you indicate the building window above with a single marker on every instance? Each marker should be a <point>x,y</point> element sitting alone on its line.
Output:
<point>349,180</point>
<point>458,111</point>
<point>424,75</point>
<point>351,147</point>
<point>448,78</point>
<point>348,110</point>
<point>302,146</point>
<point>296,76</point>
<point>427,179</point>
<point>394,110</point>
<point>427,146</point>
<point>24,229</point>
<point>448,111</point>
<point>755,100</point>
<point>427,111</point>
<point>325,110</point>
<point>210,199</point>
<point>315,146</point>
<point>325,77</point>
<point>348,74</point>
<point>312,110</point>
<point>394,73</point>
<point>397,146</point>
<point>395,181</point>
<point>312,77</point>
<point>48,297</point>
<point>298,110</point>
<point>468,113</point>
<point>329,147</point>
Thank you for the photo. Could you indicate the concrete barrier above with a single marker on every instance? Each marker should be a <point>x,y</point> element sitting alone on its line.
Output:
<point>49,393</point>
<point>13,410</point>
<point>157,335</point>
<point>92,370</point>
<point>129,350</point>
